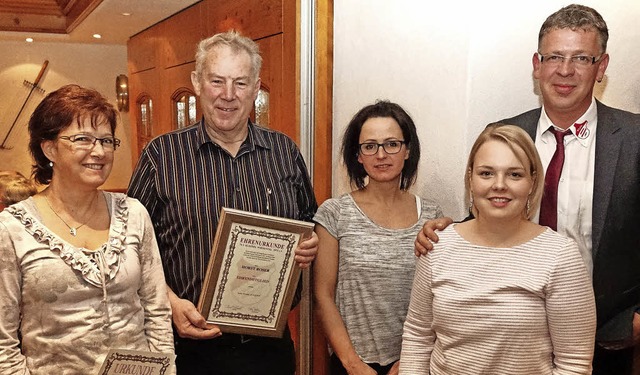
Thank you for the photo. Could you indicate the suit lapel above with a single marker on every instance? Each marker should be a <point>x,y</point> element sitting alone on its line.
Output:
<point>528,121</point>
<point>531,125</point>
<point>608,140</point>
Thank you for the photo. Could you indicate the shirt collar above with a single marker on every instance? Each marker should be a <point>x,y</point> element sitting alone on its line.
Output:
<point>585,135</point>
<point>255,137</point>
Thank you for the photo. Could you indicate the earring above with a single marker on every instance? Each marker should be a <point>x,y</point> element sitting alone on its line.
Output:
<point>470,203</point>
<point>51,164</point>
<point>528,206</point>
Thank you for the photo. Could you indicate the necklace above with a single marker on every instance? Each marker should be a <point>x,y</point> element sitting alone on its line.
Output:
<point>72,230</point>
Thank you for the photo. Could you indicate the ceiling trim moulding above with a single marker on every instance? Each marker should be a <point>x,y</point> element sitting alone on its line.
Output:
<point>49,16</point>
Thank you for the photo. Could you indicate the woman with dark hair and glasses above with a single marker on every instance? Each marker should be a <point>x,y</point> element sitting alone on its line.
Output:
<point>364,267</point>
<point>80,271</point>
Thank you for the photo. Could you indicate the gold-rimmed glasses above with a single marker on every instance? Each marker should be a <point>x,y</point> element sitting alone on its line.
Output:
<point>87,142</point>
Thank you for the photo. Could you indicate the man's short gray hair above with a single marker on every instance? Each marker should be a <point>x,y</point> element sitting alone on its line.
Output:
<point>237,43</point>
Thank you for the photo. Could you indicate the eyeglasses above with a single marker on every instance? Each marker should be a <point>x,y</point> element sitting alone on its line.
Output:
<point>577,60</point>
<point>88,142</point>
<point>390,147</point>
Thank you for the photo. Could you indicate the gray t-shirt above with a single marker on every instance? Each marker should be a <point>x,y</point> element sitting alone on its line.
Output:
<point>375,272</point>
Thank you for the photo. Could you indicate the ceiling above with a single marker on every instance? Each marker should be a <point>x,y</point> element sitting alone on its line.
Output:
<point>76,21</point>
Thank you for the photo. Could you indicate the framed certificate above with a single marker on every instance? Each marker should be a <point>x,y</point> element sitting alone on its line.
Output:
<point>122,361</point>
<point>252,276</point>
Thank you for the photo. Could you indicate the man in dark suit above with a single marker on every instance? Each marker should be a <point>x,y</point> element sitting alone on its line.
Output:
<point>598,193</point>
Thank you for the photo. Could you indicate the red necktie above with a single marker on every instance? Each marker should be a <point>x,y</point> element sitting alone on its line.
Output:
<point>549,204</point>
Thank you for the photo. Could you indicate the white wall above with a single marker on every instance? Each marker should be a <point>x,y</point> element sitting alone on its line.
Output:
<point>94,66</point>
<point>456,66</point>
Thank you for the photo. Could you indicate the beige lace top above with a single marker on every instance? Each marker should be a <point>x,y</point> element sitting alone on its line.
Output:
<point>71,305</point>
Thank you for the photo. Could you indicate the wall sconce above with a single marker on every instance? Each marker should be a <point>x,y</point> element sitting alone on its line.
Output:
<point>122,93</point>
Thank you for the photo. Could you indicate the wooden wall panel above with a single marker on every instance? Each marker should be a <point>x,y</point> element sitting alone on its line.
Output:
<point>323,101</point>
<point>323,138</point>
<point>290,63</point>
<point>255,19</point>
<point>160,60</point>
<point>168,46</point>
<point>145,82</point>
<point>174,79</point>
<point>142,50</point>
<point>272,76</point>
<point>180,34</point>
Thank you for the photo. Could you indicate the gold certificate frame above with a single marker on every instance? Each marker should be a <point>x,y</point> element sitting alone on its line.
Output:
<point>252,277</point>
<point>122,361</point>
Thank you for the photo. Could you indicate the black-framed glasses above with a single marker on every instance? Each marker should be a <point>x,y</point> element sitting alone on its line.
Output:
<point>88,142</point>
<point>390,147</point>
<point>577,60</point>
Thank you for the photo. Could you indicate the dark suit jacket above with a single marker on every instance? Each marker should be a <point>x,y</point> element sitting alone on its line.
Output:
<point>616,217</point>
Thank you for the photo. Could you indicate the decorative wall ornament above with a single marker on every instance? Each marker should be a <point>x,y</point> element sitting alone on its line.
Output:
<point>122,93</point>
<point>33,87</point>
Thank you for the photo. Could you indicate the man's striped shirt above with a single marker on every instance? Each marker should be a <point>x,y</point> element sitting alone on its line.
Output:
<point>183,179</point>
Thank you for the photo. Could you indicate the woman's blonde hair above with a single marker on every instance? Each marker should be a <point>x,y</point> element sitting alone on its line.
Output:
<point>517,139</point>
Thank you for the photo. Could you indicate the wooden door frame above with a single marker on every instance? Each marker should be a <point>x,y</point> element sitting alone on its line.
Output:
<point>315,103</point>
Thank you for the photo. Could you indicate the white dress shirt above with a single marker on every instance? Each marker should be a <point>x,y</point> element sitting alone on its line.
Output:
<point>575,189</point>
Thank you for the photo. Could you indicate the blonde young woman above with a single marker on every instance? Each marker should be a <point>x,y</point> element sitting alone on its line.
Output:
<point>80,271</point>
<point>364,267</point>
<point>500,294</point>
